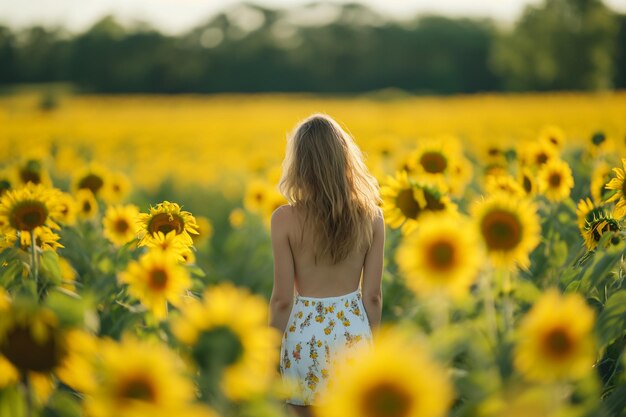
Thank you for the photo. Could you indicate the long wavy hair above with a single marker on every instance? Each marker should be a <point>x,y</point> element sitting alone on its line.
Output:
<point>324,175</point>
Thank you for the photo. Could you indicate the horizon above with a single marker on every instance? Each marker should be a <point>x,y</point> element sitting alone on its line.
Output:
<point>174,17</point>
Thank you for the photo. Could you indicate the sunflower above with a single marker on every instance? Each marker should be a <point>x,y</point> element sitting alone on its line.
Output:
<point>256,195</point>
<point>205,231</point>
<point>504,183</point>
<point>461,172</point>
<point>78,367</point>
<point>170,242</point>
<point>404,201</point>
<point>136,378</point>
<point>68,209</point>
<point>397,378</point>
<point>45,239</point>
<point>551,346</point>
<point>441,255</point>
<point>236,218</point>
<point>535,154</point>
<point>273,200</point>
<point>593,222</point>
<point>119,223</point>
<point>555,180</point>
<point>32,171</point>
<point>87,204</point>
<point>619,185</point>
<point>553,135</point>
<point>116,188</point>
<point>600,176</point>
<point>527,181</point>
<point>6,181</point>
<point>228,330</point>
<point>156,279</point>
<point>94,177</point>
<point>508,227</point>
<point>30,336</point>
<point>29,207</point>
<point>166,216</point>
<point>433,160</point>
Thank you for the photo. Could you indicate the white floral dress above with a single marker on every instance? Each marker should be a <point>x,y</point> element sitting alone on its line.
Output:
<point>319,328</point>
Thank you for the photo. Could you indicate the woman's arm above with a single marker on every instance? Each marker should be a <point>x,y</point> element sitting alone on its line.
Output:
<point>372,274</point>
<point>284,272</point>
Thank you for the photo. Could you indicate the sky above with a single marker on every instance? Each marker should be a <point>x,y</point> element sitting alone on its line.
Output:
<point>177,16</point>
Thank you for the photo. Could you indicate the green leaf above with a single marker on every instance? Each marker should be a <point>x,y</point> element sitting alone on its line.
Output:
<point>612,321</point>
<point>62,404</point>
<point>49,266</point>
<point>69,309</point>
<point>11,402</point>
<point>599,272</point>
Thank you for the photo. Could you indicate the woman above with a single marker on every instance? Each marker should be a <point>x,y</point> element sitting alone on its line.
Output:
<point>328,256</point>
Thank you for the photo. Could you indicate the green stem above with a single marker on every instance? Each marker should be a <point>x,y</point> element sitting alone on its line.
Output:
<point>490,308</point>
<point>506,299</point>
<point>33,251</point>
<point>28,395</point>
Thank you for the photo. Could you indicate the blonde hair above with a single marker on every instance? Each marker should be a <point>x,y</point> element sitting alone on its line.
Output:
<point>324,174</point>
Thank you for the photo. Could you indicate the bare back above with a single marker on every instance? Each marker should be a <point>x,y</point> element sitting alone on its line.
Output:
<point>322,279</point>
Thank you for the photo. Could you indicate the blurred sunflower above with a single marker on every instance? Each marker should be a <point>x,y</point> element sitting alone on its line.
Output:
<point>404,201</point>
<point>29,207</point>
<point>31,170</point>
<point>6,182</point>
<point>135,378</point>
<point>165,217</point>
<point>170,242</point>
<point>534,154</point>
<point>87,204</point>
<point>68,209</point>
<point>156,279</point>
<point>273,200</point>
<point>205,231</point>
<point>461,173</point>
<point>31,337</point>
<point>619,185</point>
<point>397,378</point>
<point>508,227</point>
<point>236,218</point>
<point>228,330</point>
<point>600,177</point>
<point>593,222</point>
<point>553,135</point>
<point>45,239</point>
<point>116,188</point>
<point>441,255</point>
<point>555,179</point>
<point>93,177</point>
<point>550,345</point>
<point>256,195</point>
<point>119,223</point>
<point>433,161</point>
<point>504,183</point>
<point>527,181</point>
<point>78,367</point>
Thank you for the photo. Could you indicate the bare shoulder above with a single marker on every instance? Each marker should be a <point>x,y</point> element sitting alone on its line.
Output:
<point>282,216</point>
<point>379,220</point>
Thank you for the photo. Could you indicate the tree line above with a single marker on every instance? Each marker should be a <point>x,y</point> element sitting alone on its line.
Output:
<point>558,45</point>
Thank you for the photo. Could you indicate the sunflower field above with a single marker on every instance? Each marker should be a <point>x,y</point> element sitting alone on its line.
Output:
<point>136,264</point>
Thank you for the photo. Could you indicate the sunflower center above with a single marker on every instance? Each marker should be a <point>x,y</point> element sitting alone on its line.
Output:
<point>433,162</point>
<point>555,180</point>
<point>218,347</point>
<point>554,140</point>
<point>542,158</point>
<point>405,201</point>
<point>501,230</point>
<point>165,223</point>
<point>92,182</point>
<point>158,279</point>
<point>28,354</point>
<point>528,186</point>
<point>386,399</point>
<point>433,203</point>
<point>27,175</point>
<point>258,197</point>
<point>493,151</point>
<point>557,342</point>
<point>121,226</point>
<point>28,215</point>
<point>598,138</point>
<point>601,227</point>
<point>440,255</point>
<point>137,387</point>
